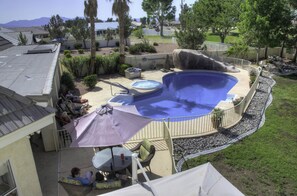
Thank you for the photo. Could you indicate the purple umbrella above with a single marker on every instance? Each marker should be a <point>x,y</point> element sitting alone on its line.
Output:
<point>107,126</point>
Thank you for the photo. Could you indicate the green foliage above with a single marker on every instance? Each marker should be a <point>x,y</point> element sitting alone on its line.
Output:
<point>122,68</point>
<point>67,53</point>
<point>221,15</point>
<point>79,29</point>
<point>97,46</point>
<point>80,65</point>
<point>253,76</point>
<point>77,46</point>
<point>55,27</point>
<point>67,81</point>
<point>239,49</point>
<point>22,39</point>
<point>108,63</point>
<point>263,21</point>
<point>108,35</point>
<point>193,34</point>
<point>155,44</point>
<point>143,21</point>
<point>81,51</point>
<point>217,117</point>
<point>264,163</point>
<point>142,47</point>
<point>90,81</point>
<point>159,9</point>
<point>117,43</point>
<point>138,33</point>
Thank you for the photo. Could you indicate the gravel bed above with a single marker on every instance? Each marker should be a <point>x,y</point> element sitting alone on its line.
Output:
<point>250,120</point>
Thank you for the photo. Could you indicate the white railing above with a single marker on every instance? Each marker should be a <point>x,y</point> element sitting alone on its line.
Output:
<point>169,142</point>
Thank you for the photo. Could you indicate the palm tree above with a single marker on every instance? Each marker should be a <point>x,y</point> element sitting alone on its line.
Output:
<point>91,13</point>
<point>120,8</point>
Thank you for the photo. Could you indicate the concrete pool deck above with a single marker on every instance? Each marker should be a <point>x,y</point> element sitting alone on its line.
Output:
<point>102,92</point>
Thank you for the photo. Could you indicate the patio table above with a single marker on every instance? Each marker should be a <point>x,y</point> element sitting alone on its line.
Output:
<point>103,161</point>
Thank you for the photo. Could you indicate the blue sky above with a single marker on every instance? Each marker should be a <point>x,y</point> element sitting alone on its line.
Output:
<point>31,9</point>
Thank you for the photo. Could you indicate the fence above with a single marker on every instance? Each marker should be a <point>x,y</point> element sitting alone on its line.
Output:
<point>200,125</point>
<point>168,140</point>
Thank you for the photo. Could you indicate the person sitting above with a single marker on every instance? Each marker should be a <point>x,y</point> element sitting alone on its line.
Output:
<point>75,99</point>
<point>85,180</point>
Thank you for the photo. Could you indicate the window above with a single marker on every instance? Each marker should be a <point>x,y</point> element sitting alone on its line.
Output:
<point>7,183</point>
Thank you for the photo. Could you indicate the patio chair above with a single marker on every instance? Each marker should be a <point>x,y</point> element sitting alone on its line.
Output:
<point>146,152</point>
<point>74,187</point>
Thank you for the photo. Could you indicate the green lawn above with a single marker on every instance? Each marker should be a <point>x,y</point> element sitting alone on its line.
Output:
<point>153,38</point>
<point>265,163</point>
<point>216,38</point>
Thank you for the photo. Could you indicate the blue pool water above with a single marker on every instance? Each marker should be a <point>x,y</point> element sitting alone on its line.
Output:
<point>185,94</point>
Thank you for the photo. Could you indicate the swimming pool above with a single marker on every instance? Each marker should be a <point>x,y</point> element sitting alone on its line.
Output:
<point>187,93</point>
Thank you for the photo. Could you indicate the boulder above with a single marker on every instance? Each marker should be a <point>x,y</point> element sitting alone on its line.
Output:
<point>193,59</point>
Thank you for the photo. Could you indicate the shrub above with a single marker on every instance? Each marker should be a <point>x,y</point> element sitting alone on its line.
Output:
<point>217,117</point>
<point>155,44</point>
<point>142,47</point>
<point>117,43</point>
<point>43,42</point>
<point>138,33</point>
<point>90,81</point>
<point>67,81</point>
<point>97,46</point>
<point>78,46</point>
<point>237,101</point>
<point>123,67</point>
<point>115,49</point>
<point>253,76</point>
<point>81,51</point>
<point>67,52</point>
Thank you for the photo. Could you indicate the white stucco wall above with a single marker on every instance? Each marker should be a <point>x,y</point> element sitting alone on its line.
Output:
<point>23,166</point>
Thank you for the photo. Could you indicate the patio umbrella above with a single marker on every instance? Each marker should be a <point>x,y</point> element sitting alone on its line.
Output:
<point>106,126</point>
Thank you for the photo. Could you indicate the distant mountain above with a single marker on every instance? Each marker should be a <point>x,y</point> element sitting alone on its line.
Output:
<point>29,23</point>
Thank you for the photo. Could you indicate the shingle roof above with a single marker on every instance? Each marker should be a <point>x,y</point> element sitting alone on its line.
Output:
<point>34,30</point>
<point>28,74</point>
<point>4,44</point>
<point>17,111</point>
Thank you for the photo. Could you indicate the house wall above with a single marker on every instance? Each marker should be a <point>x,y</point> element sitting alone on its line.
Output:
<point>23,167</point>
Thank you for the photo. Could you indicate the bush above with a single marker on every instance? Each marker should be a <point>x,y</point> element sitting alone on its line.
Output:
<point>90,81</point>
<point>117,43</point>
<point>78,46</point>
<point>217,117</point>
<point>138,33</point>
<point>67,81</point>
<point>142,47</point>
<point>81,51</point>
<point>67,52</point>
<point>97,46</point>
<point>155,44</point>
<point>123,67</point>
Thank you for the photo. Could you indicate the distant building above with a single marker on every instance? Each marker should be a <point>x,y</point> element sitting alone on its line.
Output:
<point>38,32</point>
<point>101,27</point>
<point>9,38</point>
<point>33,71</point>
<point>19,118</point>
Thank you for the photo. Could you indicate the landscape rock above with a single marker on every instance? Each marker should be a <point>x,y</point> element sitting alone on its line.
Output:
<point>193,59</point>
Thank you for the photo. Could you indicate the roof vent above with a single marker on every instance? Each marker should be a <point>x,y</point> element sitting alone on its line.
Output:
<point>43,49</point>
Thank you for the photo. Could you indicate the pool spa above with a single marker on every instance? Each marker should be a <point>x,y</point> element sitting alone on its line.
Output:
<point>186,93</point>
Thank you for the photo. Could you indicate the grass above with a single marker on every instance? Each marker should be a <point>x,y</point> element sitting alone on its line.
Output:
<point>215,38</point>
<point>265,163</point>
<point>153,38</point>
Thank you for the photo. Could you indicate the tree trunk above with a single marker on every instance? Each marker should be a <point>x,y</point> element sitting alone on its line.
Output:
<point>222,37</point>
<point>93,45</point>
<point>161,29</point>
<point>282,50</point>
<point>295,55</point>
<point>122,37</point>
<point>84,41</point>
<point>266,52</point>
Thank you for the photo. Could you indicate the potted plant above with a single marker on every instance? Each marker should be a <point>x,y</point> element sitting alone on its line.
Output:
<point>217,117</point>
<point>236,102</point>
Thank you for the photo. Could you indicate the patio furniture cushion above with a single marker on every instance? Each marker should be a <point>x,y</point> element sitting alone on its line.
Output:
<point>144,150</point>
<point>70,181</point>
<point>108,184</point>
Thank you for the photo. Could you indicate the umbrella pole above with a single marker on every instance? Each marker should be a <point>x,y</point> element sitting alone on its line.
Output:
<point>112,162</point>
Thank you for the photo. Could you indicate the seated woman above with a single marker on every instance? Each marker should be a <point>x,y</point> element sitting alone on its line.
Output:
<point>85,180</point>
<point>74,98</point>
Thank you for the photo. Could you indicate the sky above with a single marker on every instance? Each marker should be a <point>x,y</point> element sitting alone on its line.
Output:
<point>32,9</point>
